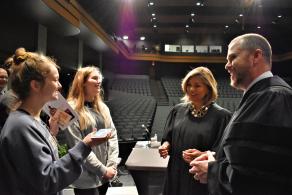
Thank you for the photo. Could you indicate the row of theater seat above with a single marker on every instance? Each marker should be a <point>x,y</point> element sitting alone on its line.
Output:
<point>129,113</point>
<point>172,88</point>
<point>132,85</point>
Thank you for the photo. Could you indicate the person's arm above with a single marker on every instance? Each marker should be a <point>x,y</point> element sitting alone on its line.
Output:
<point>222,122</point>
<point>93,164</point>
<point>167,134</point>
<point>113,147</point>
<point>28,150</point>
<point>165,148</point>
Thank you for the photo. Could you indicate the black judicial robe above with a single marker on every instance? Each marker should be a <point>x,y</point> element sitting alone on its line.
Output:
<point>184,131</point>
<point>255,155</point>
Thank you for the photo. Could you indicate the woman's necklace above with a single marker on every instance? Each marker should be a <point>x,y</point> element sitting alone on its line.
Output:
<point>199,113</point>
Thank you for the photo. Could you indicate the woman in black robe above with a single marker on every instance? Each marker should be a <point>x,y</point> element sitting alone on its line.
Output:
<point>193,126</point>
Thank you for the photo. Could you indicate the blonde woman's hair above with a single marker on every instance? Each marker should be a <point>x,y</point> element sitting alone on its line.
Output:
<point>76,98</point>
<point>207,77</point>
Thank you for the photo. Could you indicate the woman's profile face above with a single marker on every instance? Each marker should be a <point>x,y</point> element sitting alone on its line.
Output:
<point>51,87</point>
<point>197,90</point>
<point>92,85</point>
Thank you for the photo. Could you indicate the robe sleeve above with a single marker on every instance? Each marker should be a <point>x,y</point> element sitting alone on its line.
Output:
<point>168,128</point>
<point>221,125</point>
<point>167,134</point>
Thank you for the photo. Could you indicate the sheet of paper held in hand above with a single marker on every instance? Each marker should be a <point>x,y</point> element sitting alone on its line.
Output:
<point>101,133</point>
<point>67,114</point>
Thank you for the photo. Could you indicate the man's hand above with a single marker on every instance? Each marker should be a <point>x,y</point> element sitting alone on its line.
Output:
<point>200,166</point>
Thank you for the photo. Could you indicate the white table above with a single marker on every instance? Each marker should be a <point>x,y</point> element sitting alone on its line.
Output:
<point>147,169</point>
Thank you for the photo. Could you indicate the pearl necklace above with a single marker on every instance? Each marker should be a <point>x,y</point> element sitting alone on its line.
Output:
<point>199,113</point>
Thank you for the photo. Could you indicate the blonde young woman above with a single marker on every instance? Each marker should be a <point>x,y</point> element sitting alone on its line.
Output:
<point>193,126</point>
<point>29,162</point>
<point>85,97</point>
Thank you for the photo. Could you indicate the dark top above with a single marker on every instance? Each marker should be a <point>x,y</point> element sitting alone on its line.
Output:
<point>184,131</point>
<point>7,102</point>
<point>29,163</point>
<point>255,155</point>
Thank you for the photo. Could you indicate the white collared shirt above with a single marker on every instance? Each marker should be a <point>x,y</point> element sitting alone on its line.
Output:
<point>261,77</point>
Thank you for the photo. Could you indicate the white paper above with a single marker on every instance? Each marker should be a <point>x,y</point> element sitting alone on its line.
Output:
<point>67,114</point>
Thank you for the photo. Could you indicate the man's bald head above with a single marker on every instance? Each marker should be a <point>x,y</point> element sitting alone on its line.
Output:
<point>3,78</point>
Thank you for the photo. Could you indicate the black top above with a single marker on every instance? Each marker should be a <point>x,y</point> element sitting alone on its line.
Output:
<point>184,131</point>
<point>99,120</point>
<point>255,155</point>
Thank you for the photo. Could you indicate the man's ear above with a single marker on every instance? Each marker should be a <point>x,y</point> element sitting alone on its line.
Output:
<point>35,85</point>
<point>258,56</point>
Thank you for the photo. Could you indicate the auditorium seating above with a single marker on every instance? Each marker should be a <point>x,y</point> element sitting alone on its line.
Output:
<point>228,96</point>
<point>229,103</point>
<point>137,84</point>
<point>172,87</point>
<point>129,112</point>
<point>226,91</point>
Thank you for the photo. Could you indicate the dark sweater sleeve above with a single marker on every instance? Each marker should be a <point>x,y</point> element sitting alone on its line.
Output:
<point>29,154</point>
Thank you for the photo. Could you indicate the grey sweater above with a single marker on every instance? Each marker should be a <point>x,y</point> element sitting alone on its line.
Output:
<point>29,163</point>
<point>102,156</point>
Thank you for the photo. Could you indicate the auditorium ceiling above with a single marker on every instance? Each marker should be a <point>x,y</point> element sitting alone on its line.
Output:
<point>201,21</point>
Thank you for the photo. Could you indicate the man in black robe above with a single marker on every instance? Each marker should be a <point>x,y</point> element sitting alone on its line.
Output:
<point>255,154</point>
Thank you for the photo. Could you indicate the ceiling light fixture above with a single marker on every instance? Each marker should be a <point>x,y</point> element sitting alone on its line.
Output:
<point>142,38</point>
<point>125,37</point>
<point>153,14</point>
<point>192,14</point>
